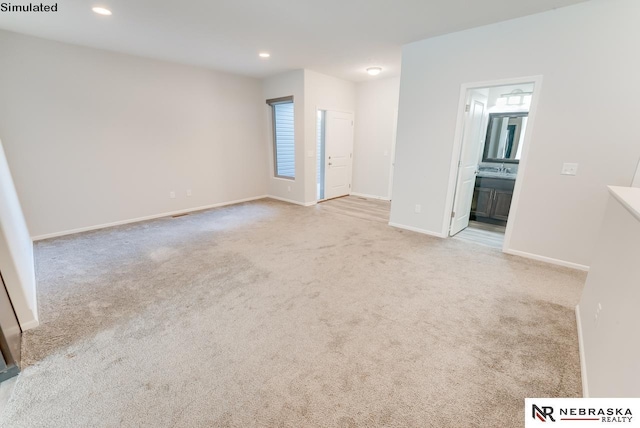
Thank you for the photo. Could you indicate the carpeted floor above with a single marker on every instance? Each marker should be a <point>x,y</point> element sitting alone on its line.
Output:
<point>274,315</point>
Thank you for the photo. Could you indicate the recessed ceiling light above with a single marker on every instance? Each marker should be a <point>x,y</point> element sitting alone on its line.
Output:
<point>101,11</point>
<point>374,71</point>
<point>264,54</point>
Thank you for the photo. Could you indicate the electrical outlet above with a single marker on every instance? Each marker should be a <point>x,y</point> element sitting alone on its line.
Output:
<point>188,192</point>
<point>569,169</point>
<point>172,194</point>
<point>418,208</point>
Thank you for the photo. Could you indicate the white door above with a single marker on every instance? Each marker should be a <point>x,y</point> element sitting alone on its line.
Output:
<point>472,143</point>
<point>338,150</point>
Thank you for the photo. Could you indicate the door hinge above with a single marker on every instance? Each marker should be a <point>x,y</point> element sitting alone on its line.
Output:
<point>352,123</point>
<point>453,214</point>
<point>459,163</point>
<point>350,155</point>
<point>349,186</point>
<point>467,108</point>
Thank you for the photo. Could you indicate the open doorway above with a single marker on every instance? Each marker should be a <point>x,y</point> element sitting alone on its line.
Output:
<point>334,148</point>
<point>493,140</point>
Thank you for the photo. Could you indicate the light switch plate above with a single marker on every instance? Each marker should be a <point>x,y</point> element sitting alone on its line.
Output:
<point>569,169</point>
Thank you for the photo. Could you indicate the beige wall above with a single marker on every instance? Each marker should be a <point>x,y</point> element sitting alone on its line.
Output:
<point>322,92</point>
<point>284,85</point>
<point>95,137</point>
<point>311,91</point>
<point>377,107</point>
<point>16,251</point>
<point>589,79</point>
<point>608,316</point>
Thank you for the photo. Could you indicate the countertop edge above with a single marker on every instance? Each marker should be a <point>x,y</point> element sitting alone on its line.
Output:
<point>480,175</point>
<point>629,197</point>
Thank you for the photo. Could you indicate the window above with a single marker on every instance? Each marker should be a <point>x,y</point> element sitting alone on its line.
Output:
<point>283,137</point>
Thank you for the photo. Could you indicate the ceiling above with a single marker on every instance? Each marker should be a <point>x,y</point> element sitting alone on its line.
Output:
<point>337,37</point>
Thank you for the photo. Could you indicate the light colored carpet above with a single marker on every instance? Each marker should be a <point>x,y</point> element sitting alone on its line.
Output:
<point>269,314</point>
<point>356,206</point>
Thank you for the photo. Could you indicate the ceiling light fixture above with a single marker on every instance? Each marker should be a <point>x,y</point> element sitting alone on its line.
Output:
<point>264,54</point>
<point>514,98</point>
<point>101,11</point>
<point>374,71</point>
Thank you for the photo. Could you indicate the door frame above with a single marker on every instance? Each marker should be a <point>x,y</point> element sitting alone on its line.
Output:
<point>353,141</point>
<point>457,149</point>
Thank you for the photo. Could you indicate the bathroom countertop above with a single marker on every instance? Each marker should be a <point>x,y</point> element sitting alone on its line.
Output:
<point>493,174</point>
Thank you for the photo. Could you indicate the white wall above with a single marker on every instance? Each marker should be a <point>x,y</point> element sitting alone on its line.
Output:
<point>16,251</point>
<point>610,351</point>
<point>377,106</point>
<point>284,85</point>
<point>322,92</point>
<point>589,77</point>
<point>311,91</point>
<point>95,137</point>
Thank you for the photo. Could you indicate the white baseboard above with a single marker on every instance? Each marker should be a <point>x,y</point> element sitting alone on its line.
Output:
<point>291,201</point>
<point>138,219</point>
<point>583,361</point>
<point>415,229</point>
<point>29,325</point>
<point>547,259</point>
<point>364,195</point>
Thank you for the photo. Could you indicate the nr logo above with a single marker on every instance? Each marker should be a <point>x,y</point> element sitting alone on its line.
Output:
<point>542,413</point>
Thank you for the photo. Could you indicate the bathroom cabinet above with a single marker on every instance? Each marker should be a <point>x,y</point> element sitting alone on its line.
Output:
<point>492,200</point>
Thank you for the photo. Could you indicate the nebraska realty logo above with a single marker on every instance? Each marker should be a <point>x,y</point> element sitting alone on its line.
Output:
<point>29,7</point>
<point>580,412</point>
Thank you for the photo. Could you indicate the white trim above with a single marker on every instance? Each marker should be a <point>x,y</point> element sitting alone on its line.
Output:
<point>416,229</point>
<point>29,325</point>
<point>291,201</point>
<point>546,259</point>
<point>583,361</point>
<point>138,219</point>
<point>364,195</point>
<point>457,147</point>
<point>337,111</point>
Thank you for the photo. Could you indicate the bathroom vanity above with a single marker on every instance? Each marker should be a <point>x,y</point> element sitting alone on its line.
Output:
<point>494,184</point>
<point>492,197</point>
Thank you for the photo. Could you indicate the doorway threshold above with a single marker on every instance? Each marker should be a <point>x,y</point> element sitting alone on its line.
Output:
<point>489,235</point>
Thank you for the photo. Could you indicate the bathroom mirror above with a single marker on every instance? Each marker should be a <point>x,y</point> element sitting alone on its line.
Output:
<point>505,135</point>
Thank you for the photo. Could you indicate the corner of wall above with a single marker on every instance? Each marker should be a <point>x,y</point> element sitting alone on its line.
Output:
<point>583,361</point>
<point>16,251</point>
